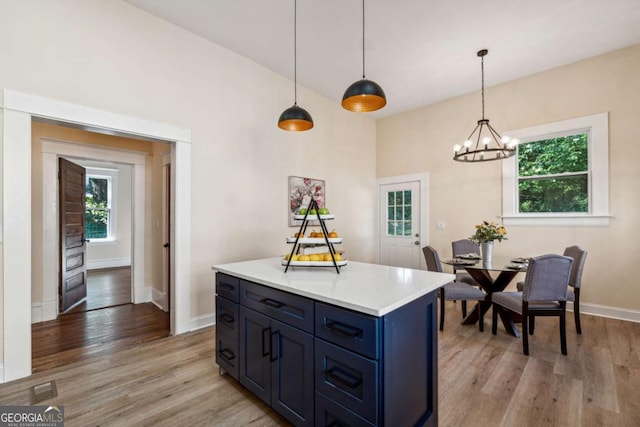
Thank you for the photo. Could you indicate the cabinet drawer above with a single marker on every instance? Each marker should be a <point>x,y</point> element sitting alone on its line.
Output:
<point>354,331</point>
<point>291,309</point>
<point>227,355</point>
<point>348,379</point>
<point>227,318</point>
<point>228,286</point>
<point>330,414</point>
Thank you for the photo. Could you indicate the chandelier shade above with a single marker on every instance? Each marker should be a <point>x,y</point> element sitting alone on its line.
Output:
<point>294,118</point>
<point>484,143</point>
<point>364,95</point>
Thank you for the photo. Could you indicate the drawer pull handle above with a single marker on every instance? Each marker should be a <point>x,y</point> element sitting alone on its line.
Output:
<point>226,318</point>
<point>266,331</point>
<point>343,377</point>
<point>226,286</point>
<point>274,354</point>
<point>347,330</point>
<point>227,354</point>
<point>272,303</point>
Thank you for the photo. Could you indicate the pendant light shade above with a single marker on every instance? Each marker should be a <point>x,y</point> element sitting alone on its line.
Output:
<point>295,118</point>
<point>484,143</point>
<point>364,95</point>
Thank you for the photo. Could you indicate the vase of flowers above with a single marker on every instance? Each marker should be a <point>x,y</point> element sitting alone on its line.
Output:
<point>486,233</point>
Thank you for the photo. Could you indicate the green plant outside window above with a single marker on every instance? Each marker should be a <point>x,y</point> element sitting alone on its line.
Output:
<point>553,175</point>
<point>98,209</point>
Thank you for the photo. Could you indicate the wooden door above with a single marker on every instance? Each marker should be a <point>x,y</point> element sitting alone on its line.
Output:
<point>73,247</point>
<point>400,224</point>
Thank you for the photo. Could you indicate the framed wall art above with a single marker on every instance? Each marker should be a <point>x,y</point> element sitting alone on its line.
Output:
<point>301,191</point>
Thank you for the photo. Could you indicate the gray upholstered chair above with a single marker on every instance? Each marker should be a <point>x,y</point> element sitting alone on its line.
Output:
<point>452,291</point>
<point>575,281</point>
<point>544,294</point>
<point>462,247</point>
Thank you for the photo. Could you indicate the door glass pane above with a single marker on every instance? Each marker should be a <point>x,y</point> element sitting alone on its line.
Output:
<point>391,230</point>
<point>399,212</point>
<point>407,228</point>
<point>407,197</point>
<point>390,198</point>
<point>398,197</point>
<point>390,212</point>
<point>399,229</point>
<point>407,213</point>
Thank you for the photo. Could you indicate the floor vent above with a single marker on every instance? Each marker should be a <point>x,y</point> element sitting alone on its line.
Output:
<point>42,392</point>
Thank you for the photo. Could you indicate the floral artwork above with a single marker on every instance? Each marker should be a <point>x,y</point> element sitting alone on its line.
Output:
<point>488,232</point>
<point>301,191</point>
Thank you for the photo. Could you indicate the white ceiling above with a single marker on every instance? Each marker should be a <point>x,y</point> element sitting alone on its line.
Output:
<point>419,51</point>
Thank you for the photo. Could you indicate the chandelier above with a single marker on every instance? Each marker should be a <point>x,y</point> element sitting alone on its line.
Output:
<point>484,143</point>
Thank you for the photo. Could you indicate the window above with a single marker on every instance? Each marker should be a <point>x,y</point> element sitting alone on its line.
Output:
<point>560,174</point>
<point>399,213</point>
<point>553,175</point>
<point>98,210</point>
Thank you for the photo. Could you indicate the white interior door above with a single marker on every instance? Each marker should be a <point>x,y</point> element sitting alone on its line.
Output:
<point>400,224</point>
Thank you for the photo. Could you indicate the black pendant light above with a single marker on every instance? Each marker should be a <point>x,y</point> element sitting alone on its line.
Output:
<point>295,118</point>
<point>486,144</point>
<point>364,95</point>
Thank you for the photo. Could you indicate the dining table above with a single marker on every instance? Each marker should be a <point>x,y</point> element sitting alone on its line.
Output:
<point>480,270</point>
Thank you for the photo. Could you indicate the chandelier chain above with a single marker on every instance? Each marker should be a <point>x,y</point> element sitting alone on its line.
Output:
<point>295,52</point>
<point>482,72</point>
<point>363,39</point>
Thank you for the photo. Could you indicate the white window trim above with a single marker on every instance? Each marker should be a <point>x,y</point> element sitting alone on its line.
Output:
<point>598,215</point>
<point>111,175</point>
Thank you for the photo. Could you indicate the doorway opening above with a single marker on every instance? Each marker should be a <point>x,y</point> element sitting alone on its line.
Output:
<point>18,111</point>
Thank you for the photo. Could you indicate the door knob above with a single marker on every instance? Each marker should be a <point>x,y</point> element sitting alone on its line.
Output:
<point>166,245</point>
<point>417,242</point>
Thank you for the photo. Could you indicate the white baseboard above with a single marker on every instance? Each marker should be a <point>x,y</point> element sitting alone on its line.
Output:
<point>1,373</point>
<point>159,299</point>
<point>202,321</point>
<point>627,314</point>
<point>47,310</point>
<point>141,294</point>
<point>108,263</point>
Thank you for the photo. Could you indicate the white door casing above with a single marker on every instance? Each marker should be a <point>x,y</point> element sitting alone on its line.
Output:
<point>403,220</point>
<point>18,109</point>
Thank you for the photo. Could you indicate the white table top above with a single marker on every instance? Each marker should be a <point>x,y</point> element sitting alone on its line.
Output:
<point>367,288</point>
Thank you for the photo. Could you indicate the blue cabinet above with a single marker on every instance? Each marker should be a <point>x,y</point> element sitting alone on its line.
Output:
<point>324,365</point>
<point>276,359</point>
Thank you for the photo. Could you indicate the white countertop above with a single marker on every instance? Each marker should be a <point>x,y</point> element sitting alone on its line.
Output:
<point>368,288</point>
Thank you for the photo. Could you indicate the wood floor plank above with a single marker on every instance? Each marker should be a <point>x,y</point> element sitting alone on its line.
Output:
<point>484,380</point>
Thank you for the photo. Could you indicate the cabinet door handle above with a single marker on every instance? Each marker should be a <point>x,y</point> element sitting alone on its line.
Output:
<point>227,354</point>
<point>339,327</point>
<point>226,318</point>
<point>343,377</point>
<point>264,340</point>
<point>274,354</point>
<point>272,303</point>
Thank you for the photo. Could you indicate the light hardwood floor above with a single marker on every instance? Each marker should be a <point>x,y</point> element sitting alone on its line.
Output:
<point>484,380</point>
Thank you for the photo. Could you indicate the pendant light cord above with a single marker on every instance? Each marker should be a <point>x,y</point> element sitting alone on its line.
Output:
<point>295,52</point>
<point>482,71</point>
<point>363,39</point>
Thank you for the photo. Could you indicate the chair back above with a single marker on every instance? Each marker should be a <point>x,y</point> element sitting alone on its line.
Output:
<point>547,278</point>
<point>464,246</point>
<point>432,258</point>
<point>579,256</point>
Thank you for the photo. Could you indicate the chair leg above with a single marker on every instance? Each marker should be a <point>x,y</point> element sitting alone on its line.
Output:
<point>525,334</point>
<point>464,309</point>
<point>441,309</point>
<point>532,324</point>
<point>563,333</point>
<point>480,318</point>
<point>494,320</point>
<point>576,309</point>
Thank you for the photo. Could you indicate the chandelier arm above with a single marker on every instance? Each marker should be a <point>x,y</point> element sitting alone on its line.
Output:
<point>496,136</point>
<point>474,131</point>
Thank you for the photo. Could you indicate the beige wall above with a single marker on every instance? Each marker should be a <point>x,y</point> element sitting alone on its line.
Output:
<point>111,56</point>
<point>464,194</point>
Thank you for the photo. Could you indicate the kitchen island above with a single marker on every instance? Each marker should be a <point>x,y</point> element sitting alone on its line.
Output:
<point>355,348</point>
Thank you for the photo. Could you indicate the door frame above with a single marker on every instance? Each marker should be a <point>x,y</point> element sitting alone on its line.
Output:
<point>423,182</point>
<point>18,110</point>
<point>52,149</point>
